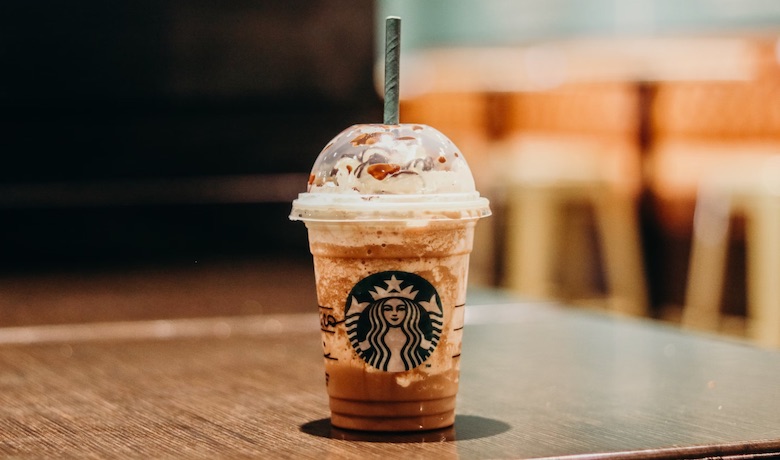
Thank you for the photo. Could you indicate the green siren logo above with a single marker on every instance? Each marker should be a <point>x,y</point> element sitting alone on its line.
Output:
<point>394,320</point>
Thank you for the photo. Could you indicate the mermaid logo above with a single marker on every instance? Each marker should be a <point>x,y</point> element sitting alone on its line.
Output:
<point>394,320</point>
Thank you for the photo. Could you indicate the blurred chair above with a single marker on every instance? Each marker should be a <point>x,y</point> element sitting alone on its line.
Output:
<point>568,147</point>
<point>750,190</point>
<point>720,142</point>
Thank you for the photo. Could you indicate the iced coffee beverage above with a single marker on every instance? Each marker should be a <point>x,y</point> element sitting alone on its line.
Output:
<point>390,211</point>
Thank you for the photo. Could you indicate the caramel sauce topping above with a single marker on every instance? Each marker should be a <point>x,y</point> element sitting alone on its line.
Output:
<point>366,139</point>
<point>381,170</point>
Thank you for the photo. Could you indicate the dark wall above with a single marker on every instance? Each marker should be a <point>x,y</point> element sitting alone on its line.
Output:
<point>96,91</point>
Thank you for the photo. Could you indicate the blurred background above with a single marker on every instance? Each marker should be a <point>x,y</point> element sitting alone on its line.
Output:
<point>156,147</point>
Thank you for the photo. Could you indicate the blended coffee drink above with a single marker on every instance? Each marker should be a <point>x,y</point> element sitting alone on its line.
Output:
<point>390,211</point>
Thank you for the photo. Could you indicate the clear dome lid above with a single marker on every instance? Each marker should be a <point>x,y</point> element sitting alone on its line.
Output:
<point>390,172</point>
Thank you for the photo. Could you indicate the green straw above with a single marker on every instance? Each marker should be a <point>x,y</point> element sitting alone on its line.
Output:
<point>392,59</point>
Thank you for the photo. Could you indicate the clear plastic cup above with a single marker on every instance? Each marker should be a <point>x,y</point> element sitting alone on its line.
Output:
<point>390,212</point>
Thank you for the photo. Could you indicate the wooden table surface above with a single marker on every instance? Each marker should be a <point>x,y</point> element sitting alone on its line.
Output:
<point>537,381</point>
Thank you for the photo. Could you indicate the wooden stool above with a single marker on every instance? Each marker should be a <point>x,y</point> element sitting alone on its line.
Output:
<point>719,142</point>
<point>539,186</point>
<point>755,194</point>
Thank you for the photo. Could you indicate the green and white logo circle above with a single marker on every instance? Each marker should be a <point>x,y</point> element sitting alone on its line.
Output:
<point>394,320</point>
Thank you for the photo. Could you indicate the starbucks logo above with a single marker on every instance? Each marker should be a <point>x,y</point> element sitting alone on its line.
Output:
<point>394,320</point>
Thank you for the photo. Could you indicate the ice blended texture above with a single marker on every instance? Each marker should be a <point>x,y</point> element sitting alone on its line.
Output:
<point>391,211</point>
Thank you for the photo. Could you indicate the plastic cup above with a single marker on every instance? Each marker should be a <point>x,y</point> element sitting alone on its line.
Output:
<point>390,212</point>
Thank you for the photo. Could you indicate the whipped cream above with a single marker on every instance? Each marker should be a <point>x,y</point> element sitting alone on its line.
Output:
<point>391,159</point>
<point>406,172</point>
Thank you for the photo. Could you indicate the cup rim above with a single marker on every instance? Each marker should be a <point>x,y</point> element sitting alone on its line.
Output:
<point>333,207</point>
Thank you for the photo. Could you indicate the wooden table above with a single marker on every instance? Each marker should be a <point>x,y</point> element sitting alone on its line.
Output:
<point>537,381</point>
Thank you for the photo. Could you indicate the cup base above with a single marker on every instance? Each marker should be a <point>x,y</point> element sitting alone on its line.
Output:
<point>419,423</point>
<point>393,415</point>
